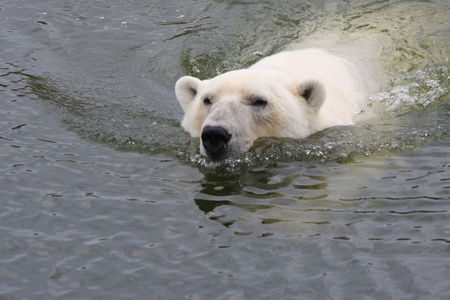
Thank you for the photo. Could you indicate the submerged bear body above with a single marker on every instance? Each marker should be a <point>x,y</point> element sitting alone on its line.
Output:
<point>291,94</point>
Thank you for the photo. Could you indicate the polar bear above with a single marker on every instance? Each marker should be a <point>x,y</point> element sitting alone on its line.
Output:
<point>291,94</point>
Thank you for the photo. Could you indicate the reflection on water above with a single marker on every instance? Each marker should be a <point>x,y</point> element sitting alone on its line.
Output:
<point>308,199</point>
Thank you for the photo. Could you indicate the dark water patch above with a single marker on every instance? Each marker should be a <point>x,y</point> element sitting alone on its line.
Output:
<point>267,30</point>
<point>129,128</point>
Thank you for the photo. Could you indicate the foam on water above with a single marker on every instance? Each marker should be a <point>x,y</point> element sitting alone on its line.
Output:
<point>418,91</point>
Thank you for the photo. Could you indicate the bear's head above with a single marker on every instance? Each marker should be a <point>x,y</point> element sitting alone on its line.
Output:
<point>232,110</point>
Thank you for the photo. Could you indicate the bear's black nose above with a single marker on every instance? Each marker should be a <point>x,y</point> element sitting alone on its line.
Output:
<point>215,140</point>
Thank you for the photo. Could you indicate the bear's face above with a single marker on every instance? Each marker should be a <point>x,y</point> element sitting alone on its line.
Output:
<point>230,111</point>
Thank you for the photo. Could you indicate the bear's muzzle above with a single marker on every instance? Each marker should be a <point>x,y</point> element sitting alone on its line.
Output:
<point>215,140</point>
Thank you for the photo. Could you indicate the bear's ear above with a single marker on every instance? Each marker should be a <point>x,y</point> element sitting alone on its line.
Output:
<point>313,91</point>
<point>186,89</point>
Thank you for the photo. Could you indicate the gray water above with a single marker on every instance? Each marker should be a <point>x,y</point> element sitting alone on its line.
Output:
<point>104,196</point>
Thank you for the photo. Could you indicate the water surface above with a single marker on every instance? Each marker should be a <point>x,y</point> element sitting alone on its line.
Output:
<point>104,195</point>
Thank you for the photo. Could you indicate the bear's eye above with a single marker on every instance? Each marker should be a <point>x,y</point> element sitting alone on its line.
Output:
<point>259,102</point>
<point>207,101</point>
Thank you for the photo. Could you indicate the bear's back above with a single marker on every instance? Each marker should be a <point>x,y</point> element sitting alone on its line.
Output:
<point>344,92</point>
